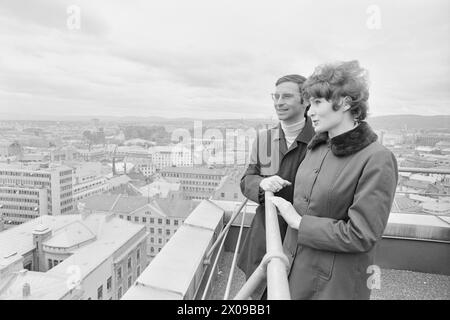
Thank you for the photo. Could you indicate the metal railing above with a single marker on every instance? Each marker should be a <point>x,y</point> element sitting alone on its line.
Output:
<point>274,264</point>
<point>424,170</point>
<point>273,267</point>
<point>221,238</point>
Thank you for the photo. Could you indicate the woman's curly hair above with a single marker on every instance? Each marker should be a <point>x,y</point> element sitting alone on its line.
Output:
<point>342,79</point>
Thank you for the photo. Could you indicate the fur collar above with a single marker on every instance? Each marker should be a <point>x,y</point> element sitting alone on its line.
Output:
<point>347,143</point>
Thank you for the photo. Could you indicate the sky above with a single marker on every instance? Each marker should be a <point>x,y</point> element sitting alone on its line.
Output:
<point>211,59</point>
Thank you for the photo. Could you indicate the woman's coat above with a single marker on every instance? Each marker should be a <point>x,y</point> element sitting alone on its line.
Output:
<point>344,192</point>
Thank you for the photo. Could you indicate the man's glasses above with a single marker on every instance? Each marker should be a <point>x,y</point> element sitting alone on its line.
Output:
<point>285,96</point>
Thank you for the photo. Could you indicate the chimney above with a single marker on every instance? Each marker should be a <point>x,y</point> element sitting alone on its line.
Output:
<point>26,290</point>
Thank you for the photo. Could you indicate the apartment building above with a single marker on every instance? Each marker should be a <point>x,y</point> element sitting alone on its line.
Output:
<point>31,190</point>
<point>197,183</point>
<point>161,217</point>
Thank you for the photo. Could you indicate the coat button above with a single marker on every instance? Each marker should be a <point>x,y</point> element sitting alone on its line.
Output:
<point>316,170</point>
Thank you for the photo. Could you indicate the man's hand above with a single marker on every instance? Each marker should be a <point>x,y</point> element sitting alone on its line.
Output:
<point>287,211</point>
<point>273,183</point>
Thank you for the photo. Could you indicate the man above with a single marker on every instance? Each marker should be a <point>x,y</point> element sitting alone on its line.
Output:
<point>275,158</point>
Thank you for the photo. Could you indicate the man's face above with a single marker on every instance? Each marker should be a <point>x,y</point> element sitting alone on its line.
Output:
<point>287,101</point>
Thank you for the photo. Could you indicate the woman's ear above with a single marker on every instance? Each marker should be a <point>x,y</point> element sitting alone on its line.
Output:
<point>346,103</point>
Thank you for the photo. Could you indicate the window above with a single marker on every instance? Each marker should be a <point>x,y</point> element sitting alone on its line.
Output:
<point>138,254</point>
<point>50,263</point>
<point>136,219</point>
<point>130,279</point>
<point>159,231</point>
<point>138,271</point>
<point>128,218</point>
<point>144,219</point>
<point>119,273</point>
<point>152,240</point>
<point>159,221</point>
<point>222,195</point>
<point>168,222</point>
<point>152,220</point>
<point>129,263</point>
<point>152,230</point>
<point>159,240</point>
<point>159,249</point>
<point>152,249</point>
<point>55,263</point>
<point>175,222</point>
<point>119,293</point>
<point>121,216</point>
<point>100,293</point>
<point>109,284</point>
<point>168,232</point>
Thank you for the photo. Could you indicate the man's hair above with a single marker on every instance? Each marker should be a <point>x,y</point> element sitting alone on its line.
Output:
<point>296,78</point>
<point>333,81</point>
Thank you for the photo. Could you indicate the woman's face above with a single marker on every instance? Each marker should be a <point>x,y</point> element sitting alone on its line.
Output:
<point>323,117</point>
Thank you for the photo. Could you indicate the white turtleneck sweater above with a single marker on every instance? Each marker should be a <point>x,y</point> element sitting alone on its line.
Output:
<point>292,131</point>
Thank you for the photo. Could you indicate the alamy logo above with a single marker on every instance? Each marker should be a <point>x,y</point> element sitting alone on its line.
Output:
<point>74,18</point>
<point>374,280</point>
<point>374,19</point>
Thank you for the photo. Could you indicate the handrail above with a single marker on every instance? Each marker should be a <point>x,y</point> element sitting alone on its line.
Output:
<point>273,266</point>
<point>223,232</point>
<point>277,280</point>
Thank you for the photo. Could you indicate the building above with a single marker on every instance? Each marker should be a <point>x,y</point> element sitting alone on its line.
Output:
<point>169,156</point>
<point>10,148</point>
<point>430,139</point>
<point>94,256</point>
<point>161,217</point>
<point>437,207</point>
<point>28,191</point>
<point>67,153</point>
<point>88,179</point>
<point>161,188</point>
<point>93,154</point>
<point>185,255</point>
<point>229,189</point>
<point>196,182</point>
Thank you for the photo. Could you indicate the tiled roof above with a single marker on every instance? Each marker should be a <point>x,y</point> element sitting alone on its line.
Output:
<point>177,208</point>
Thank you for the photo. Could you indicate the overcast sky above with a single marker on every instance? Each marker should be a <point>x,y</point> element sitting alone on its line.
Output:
<point>214,59</point>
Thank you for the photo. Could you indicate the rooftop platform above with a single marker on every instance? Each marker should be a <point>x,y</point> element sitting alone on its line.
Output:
<point>395,284</point>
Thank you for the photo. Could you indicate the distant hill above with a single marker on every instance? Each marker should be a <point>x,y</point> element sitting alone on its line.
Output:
<point>410,121</point>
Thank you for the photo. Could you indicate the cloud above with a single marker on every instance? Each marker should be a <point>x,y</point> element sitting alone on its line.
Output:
<point>208,59</point>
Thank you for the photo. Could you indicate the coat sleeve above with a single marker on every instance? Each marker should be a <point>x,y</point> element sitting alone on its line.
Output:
<point>252,178</point>
<point>368,214</point>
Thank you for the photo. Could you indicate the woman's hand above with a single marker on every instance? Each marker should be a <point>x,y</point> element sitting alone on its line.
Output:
<point>287,211</point>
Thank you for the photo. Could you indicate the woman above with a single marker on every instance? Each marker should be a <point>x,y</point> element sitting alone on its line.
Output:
<point>343,191</point>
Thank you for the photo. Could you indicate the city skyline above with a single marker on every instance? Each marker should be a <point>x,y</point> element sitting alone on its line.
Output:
<point>207,61</point>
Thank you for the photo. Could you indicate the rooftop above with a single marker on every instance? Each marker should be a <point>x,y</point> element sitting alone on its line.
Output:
<point>129,204</point>
<point>394,284</point>
<point>43,286</point>
<point>195,170</point>
<point>111,233</point>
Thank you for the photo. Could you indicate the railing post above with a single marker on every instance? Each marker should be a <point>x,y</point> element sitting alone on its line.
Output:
<point>277,280</point>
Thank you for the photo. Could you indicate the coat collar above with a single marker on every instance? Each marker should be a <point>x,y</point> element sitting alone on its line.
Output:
<point>348,142</point>
<point>304,136</point>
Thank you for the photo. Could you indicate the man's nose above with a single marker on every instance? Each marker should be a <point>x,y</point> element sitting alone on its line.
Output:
<point>279,102</point>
